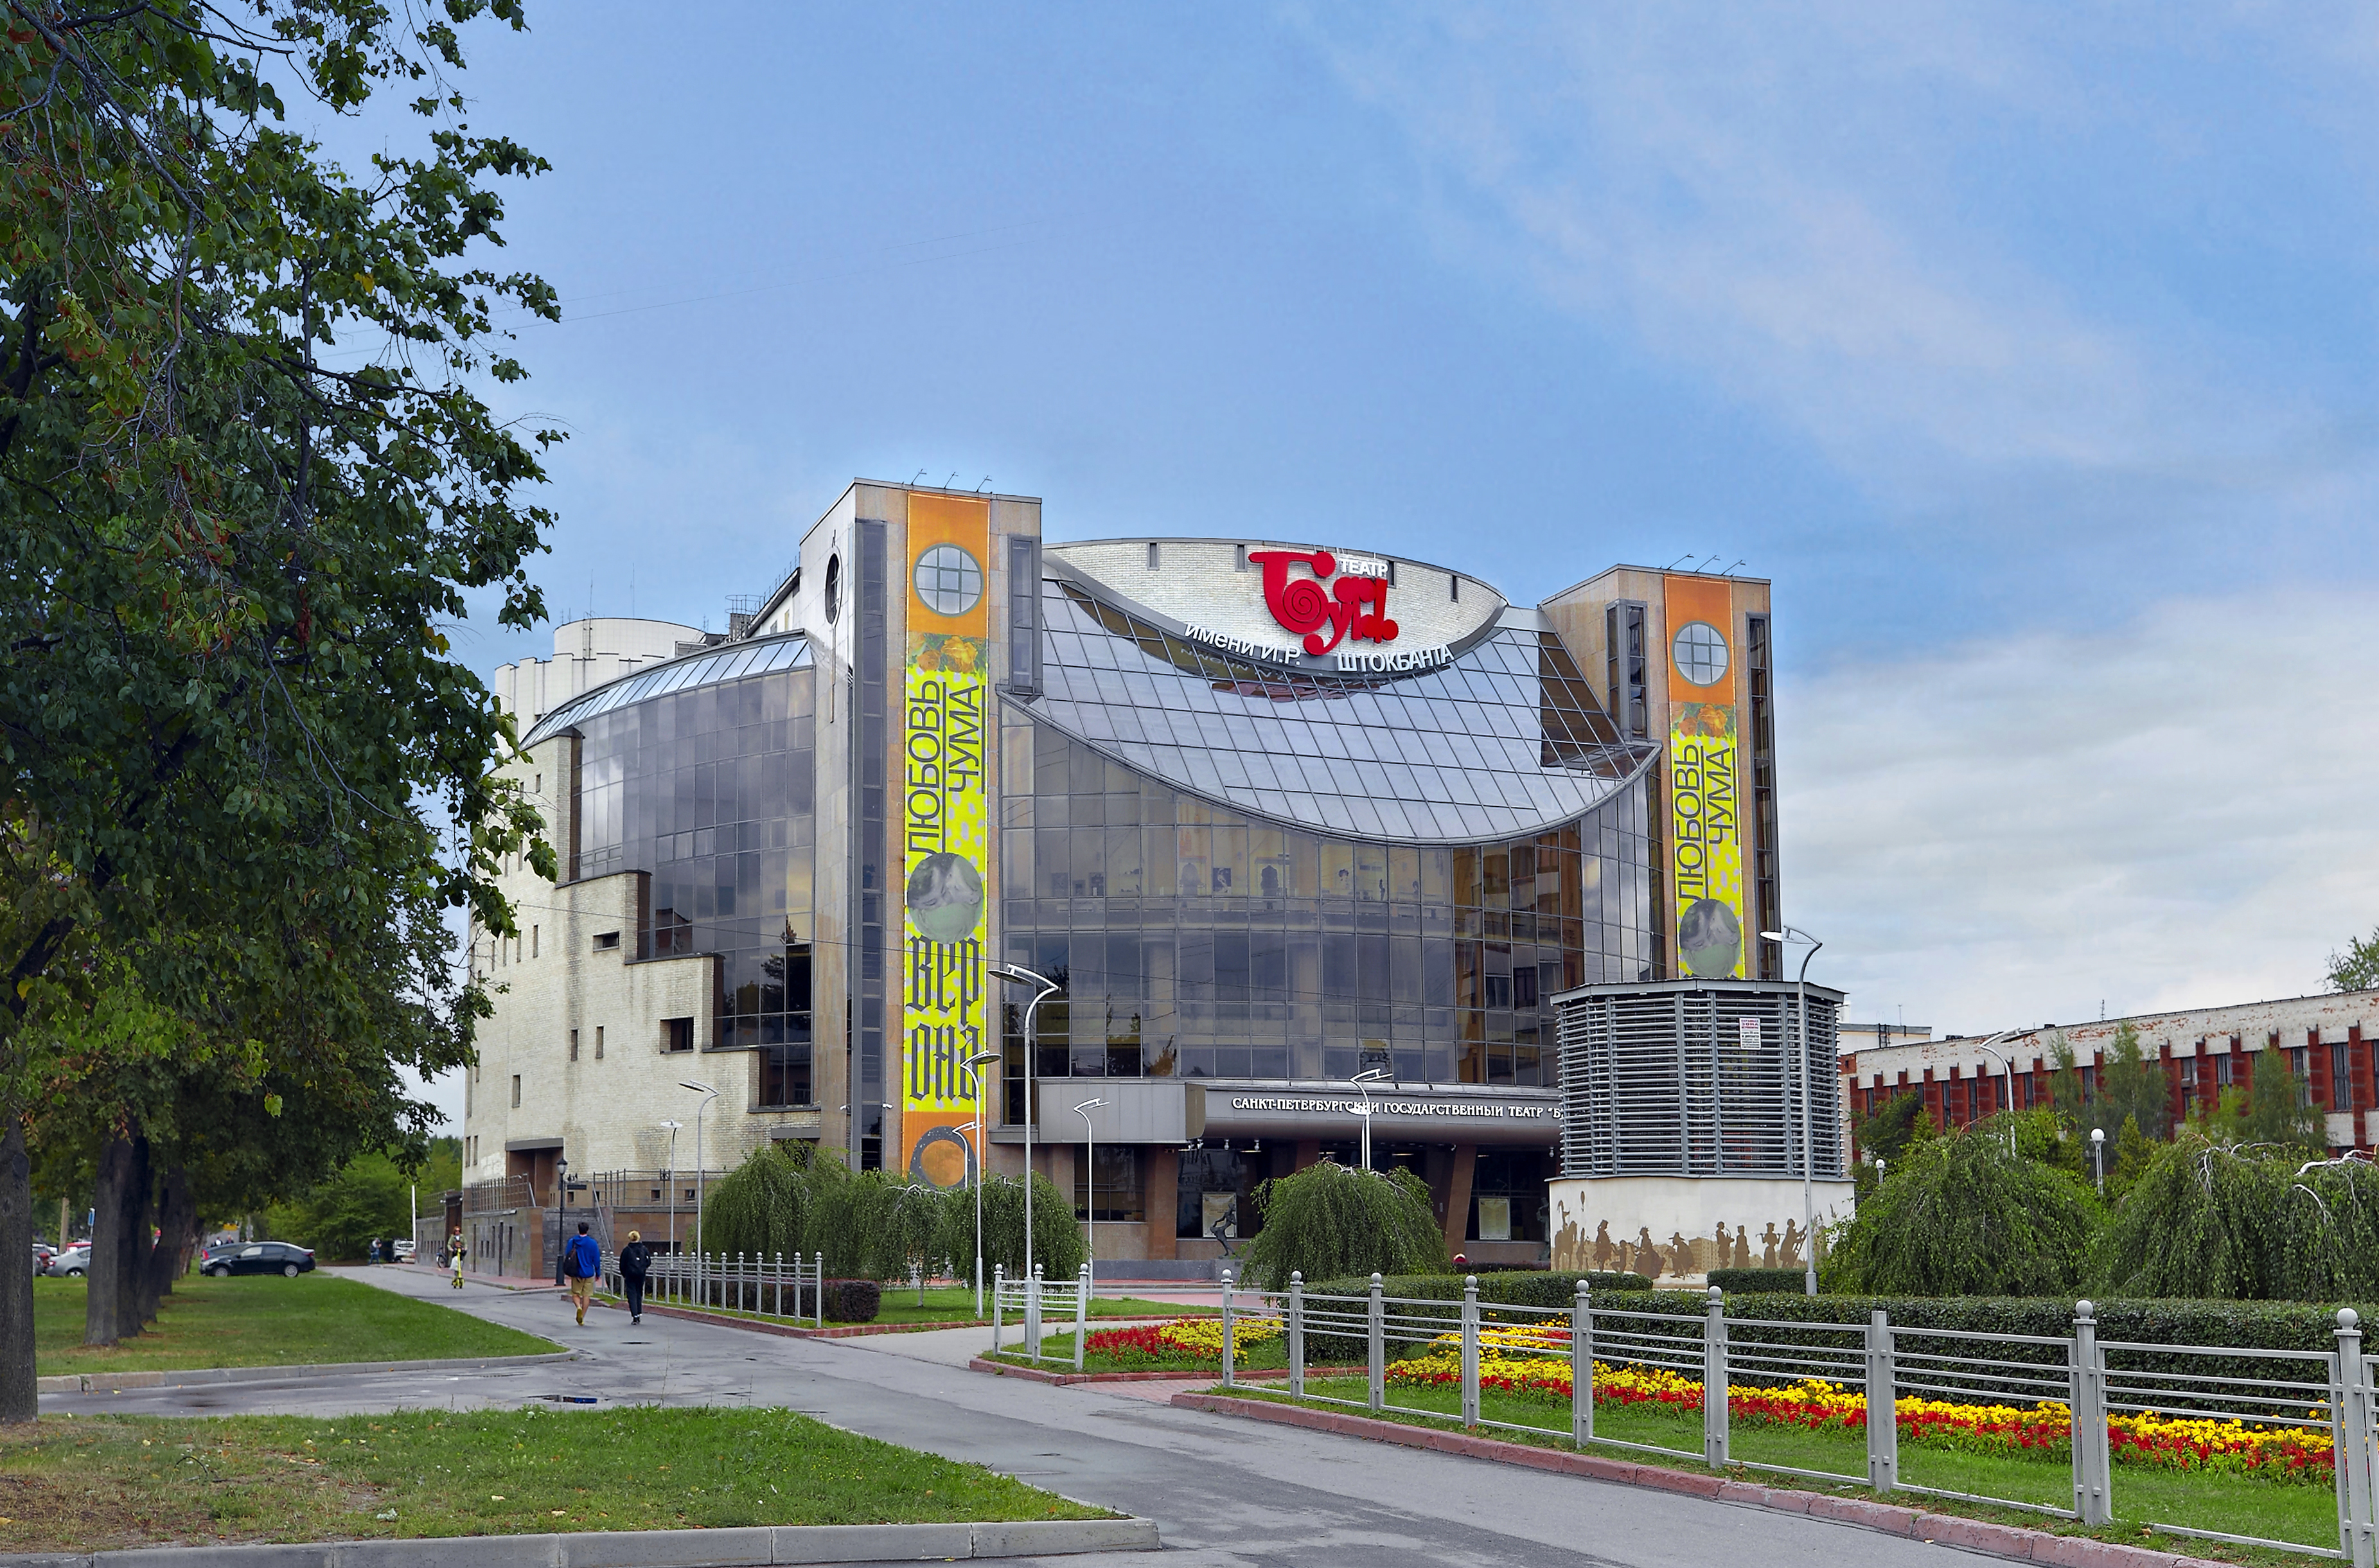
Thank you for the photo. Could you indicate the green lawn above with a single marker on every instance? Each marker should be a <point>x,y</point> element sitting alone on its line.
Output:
<point>2236,1505</point>
<point>96,1483</point>
<point>266,1321</point>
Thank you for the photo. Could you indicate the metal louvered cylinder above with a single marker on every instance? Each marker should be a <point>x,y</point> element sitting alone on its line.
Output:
<point>1698,1079</point>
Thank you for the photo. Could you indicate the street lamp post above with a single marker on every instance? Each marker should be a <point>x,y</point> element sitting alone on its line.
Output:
<point>1362,1083</point>
<point>708,1094</point>
<point>2007,1070</point>
<point>1017,974</point>
<point>2098,1156</point>
<point>1090,1182</point>
<point>1801,1070</point>
<point>975,1076</point>
<point>668,1181</point>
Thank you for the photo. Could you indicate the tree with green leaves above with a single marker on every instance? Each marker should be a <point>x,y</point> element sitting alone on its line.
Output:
<point>2279,1108</point>
<point>1967,1215</point>
<point>2245,1222</point>
<point>1328,1221</point>
<point>2130,1085</point>
<point>2357,968</point>
<point>1891,1129</point>
<point>246,478</point>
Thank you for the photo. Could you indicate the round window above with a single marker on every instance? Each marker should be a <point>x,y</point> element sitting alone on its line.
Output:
<point>1700,653</point>
<point>949,581</point>
<point>833,587</point>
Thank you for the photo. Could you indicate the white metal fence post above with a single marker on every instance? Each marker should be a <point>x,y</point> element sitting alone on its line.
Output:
<point>2350,1442</point>
<point>998,1282</point>
<point>1081,1313</point>
<point>1714,1381</point>
<point>820,1278</point>
<point>1032,1312</point>
<point>1882,1405</point>
<point>1227,1356</point>
<point>1295,1333</point>
<point>1581,1366</point>
<point>1377,1334</point>
<point>1470,1350</point>
<point>2093,1499</point>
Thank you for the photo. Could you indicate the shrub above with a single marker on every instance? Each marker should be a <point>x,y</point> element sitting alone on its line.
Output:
<point>852,1301</point>
<point>1057,1245</point>
<point>1532,1289</point>
<point>1785,1282</point>
<point>1328,1220</point>
<point>1967,1215</point>
<point>2211,1219</point>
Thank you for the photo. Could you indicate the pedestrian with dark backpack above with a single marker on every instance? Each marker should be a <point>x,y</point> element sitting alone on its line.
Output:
<point>636,1262</point>
<point>582,1262</point>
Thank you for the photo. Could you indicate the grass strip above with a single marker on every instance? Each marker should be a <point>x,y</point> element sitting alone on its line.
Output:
<point>100,1483</point>
<point>266,1321</point>
<point>2236,1505</point>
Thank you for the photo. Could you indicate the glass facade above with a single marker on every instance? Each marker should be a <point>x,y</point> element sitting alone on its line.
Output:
<point>711,789</point>
<point>1505,740</point>
<point>1197,941</point>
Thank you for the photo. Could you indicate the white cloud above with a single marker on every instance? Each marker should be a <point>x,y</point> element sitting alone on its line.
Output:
<point>1812,208</point>
<point>2176,811</point>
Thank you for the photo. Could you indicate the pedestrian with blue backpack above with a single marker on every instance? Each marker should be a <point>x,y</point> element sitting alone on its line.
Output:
<point>582,1263</point>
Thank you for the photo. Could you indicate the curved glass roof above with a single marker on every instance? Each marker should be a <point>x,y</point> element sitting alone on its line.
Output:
<point>761,655</point>
<point>1506,739</point>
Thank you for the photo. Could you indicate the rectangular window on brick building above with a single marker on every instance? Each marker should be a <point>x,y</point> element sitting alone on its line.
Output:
<point>516,1092</point>
<point>573,1044</point>
<point>599,1042</point>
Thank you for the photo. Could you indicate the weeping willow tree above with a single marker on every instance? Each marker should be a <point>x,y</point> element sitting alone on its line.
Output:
<point>2247,1222</point>
<point>1328,1222</point>
<point>769,1203</point>
<point>1968,1215</point>
<point>1057,1245</point>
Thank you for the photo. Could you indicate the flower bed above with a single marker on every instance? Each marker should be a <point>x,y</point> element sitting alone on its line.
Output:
<point>1534,1361</point>
<point>1193,1340</point>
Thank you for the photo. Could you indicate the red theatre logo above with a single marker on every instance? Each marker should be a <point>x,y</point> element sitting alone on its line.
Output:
<point>1355,606</point>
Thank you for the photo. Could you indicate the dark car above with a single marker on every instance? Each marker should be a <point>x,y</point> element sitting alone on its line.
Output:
<point>259,1258</point>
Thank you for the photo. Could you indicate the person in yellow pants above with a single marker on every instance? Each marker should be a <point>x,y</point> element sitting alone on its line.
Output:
<point>582,1263</point>
<point>454,1251</point>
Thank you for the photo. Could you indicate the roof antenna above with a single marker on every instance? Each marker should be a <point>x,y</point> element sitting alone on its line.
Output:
<point>1704,567</point>
<point>952,482</point>
<point>917,475</point>
<point>1672,566</point>
<point>1739,562</point>
<point>986,484</point>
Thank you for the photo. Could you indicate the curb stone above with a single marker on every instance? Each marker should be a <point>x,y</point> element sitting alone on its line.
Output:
<point>1982,1536</point>
<point>753,1547</point>
<point>111,1382</point>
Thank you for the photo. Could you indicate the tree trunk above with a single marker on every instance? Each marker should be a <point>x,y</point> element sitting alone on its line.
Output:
<point>140,1216</point>
<point>178,1221</point>
<point>112,1303</point>
<point>18,1399</point>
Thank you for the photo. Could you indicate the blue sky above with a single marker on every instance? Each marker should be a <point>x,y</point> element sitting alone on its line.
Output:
<point>2029,349</point>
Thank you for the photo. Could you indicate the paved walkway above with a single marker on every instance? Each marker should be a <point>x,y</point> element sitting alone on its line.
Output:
<point>1224,1492</point>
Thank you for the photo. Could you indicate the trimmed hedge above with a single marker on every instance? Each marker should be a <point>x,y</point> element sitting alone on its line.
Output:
<point>2261,1325</point>
<point>852,1301</point>
<point>1738,1281</point>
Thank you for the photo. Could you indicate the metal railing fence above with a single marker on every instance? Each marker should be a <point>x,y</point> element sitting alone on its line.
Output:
<point>775,1285</point>
<point>2100,1384</point>
<point>1030,1298</point>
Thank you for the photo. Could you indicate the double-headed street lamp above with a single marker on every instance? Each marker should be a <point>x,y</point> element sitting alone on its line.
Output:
<point>672,1128</point>
<point>974,1065</point>
<point>1017,974</point>
<point>1090,1181</point>
<point>1362,1083</point>
<point>708,1094</point>
<point>1801,1057</point>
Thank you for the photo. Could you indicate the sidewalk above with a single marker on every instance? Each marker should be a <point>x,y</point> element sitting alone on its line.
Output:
<point>499,1281</point>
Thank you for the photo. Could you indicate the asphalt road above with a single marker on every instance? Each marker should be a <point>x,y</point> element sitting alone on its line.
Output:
<point>1224,1492</point>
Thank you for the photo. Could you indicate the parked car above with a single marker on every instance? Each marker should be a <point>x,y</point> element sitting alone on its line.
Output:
<point>71,1264</point>
<point>404,1250</point>
<point>43,1253</point>
<point>259,1258</point>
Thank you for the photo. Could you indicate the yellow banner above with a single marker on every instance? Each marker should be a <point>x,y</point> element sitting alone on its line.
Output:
<point>1705,852</point>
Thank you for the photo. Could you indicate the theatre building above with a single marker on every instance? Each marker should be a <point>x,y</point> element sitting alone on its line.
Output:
<point>1294,826</point>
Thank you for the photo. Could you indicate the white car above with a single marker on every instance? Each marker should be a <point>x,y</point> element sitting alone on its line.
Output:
<point>404,1252</point>
<point>71,1264</point>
